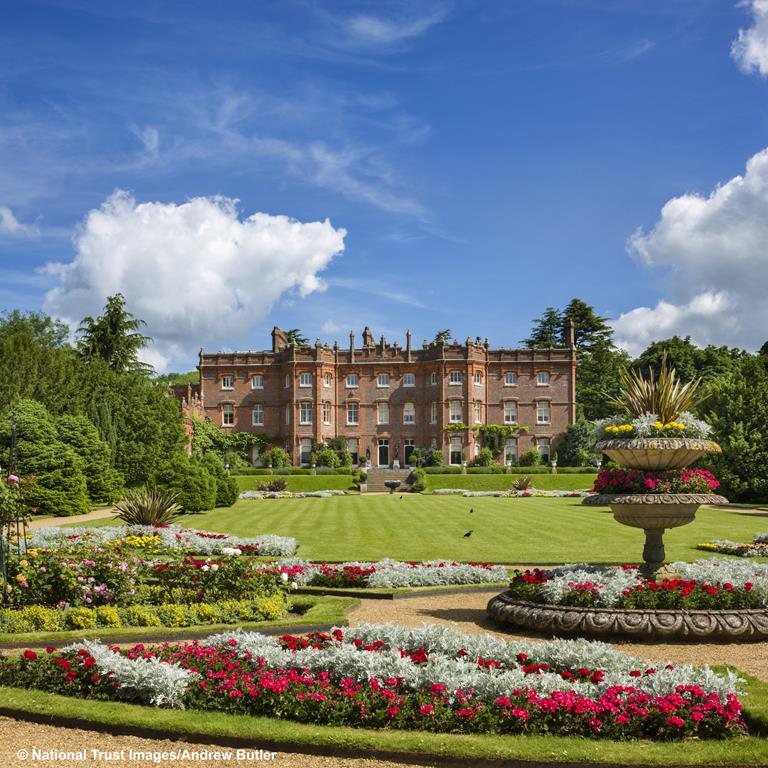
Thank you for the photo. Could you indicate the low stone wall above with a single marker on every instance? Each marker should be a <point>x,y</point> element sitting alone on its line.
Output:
<point>751,624</point>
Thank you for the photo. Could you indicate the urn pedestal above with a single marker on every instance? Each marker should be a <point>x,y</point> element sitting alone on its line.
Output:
<point>655,512</point>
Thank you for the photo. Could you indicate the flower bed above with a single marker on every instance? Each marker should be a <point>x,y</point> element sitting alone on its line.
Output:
<point>325,493</point>
<point>649,481</point>
<point>169,537</point>
<point>512,493</point>
<point>758,547</point>
<point>433,679</point>
<point>38,618</point>
<point>716,584</point>
<point>389,574</point>
<point>648,425</point>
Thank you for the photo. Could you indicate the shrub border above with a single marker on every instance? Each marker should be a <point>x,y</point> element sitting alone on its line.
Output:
<point>402,593</point>
<point>322,613</point>
<point>523,751</point>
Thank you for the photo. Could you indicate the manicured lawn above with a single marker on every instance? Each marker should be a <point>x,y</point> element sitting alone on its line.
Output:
<point>423,527</point>
<point>298,483</point>
<point>504,482</point>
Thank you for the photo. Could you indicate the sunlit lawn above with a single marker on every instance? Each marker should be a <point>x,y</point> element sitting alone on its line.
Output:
<point>421,527</point>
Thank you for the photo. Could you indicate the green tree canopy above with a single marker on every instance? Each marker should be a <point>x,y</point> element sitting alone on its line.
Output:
<point>114,337</point>
<point>57,484</point>
<point>690,362</point>
<point>442,337</point>
<point>295,336</point>
<point>547,331</point>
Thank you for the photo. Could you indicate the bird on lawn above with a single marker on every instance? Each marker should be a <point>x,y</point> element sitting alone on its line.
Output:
<point>471,510</point>
<point>467,534</point>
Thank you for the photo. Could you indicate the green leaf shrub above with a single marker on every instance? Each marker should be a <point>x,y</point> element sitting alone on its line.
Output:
<point>190,480</point>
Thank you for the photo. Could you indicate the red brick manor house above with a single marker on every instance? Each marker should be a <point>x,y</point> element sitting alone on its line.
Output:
<point>386,400</point>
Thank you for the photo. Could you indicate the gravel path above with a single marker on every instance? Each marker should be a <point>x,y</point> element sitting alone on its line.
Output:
<point>16,736</point>
<point>52,522</point>
<point>466,612</point>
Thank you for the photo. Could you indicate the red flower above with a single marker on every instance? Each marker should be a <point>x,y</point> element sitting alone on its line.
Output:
<point>30,655</point>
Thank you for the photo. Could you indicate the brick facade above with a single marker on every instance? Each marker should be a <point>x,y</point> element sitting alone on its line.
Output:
<point>402,395</point>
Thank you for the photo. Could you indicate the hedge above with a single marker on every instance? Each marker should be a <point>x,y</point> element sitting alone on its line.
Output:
<point>38,618</point>
<point>294,471</point>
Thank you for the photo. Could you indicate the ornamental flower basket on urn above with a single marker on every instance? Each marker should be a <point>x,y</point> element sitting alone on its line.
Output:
<point>654,441</point>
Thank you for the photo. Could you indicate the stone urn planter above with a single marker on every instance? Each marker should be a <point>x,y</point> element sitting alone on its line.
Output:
<point>654,512</point>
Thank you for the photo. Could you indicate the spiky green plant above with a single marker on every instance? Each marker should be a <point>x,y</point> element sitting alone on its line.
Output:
<point>666,395</point>
<point>523,483</point>
<point>148,506</point>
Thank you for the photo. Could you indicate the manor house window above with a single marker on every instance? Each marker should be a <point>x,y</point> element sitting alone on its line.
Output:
<point>352,380</point>
<point>510,412</point>
<point>409,380</point>
<point>228,381</point>
<point>353,413</point>
<point>258,415</point>
<point>455,377</point>
<point>409,413</point>
<point>305,379</point>
<point>305,413</point>
<point>228,415</point>
<point>257,381</point>
<point>542,411</point>
<point>455,411</point>
<point>382,380</point>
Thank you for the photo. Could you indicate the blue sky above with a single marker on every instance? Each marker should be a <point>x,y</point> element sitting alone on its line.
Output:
<point>484,161</point>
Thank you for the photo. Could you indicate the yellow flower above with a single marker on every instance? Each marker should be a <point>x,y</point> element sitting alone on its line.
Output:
<point>23,563</point>
<point>20,577</point>
<point>33,553</point>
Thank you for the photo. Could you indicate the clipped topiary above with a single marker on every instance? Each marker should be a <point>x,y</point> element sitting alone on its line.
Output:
<point>226,485</point>
<point>192,483</point>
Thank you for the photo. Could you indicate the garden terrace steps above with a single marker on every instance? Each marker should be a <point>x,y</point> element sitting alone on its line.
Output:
<point>377,476</point>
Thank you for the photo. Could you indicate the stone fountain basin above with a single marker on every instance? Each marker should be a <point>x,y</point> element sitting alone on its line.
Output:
<point>658,453</point>
<point>734,625</point>
<point>654,511</point>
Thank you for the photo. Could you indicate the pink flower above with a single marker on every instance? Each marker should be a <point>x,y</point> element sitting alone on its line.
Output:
<point>12,479</point>
<point>426,710</point>
<point>676,721</point>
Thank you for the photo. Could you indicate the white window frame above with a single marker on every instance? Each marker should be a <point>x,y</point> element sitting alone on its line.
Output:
<point>257,381</point>
<point>513,405</point>
<point>477,410</point>
<point>542,442</point>
<point>305,413</point>
<point>455,417</point>
<point>382,409</point>
<point>227,411</point>
<point>327,379</point>
<point>478,379</point>
<point>327,413</point>
<point>433,378</point>
<point>303,443</point>
<point>409,413</point>
<point>409,379</point>
<point>305,379</point>
<point>353,380</point>
<point>228,377</point>
<point>510,378</point>
<point>353,406</point>
<point>287,384</point>
<point>542,375</point>
<point>510,442</point>
<point>257,408</point>
<point>543,416</point>
<point>287,414</point>
<point>433,413</point>
<point>382,380</point>
<point>455,378</point>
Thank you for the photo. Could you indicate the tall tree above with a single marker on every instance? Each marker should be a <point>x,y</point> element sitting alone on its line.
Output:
<point>442,337</point>
<point>295,336</point>
<point>690,362</point>
<point>737,409</point>
<point>547,331</point>
<point>114,337</point>
<point>590,329</point>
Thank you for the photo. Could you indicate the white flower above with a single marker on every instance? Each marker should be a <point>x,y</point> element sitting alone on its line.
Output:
<point>204,568</point>
<point>215,567</point>
<point>284,576</point>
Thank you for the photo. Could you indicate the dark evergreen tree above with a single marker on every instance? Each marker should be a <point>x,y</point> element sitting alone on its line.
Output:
<point>590,329</point>
<point>56,481</point>
<point>103,482</point>
<point>547,331</point>
<point>114,337</point>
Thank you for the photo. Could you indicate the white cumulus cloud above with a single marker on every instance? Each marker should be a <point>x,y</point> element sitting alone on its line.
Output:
<point>10,225</point>
<point>197,272</point>
<point>750,48</point>
<point>715,252</point>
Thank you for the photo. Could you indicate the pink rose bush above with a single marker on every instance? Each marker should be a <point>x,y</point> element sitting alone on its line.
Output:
<point>385,676</point>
